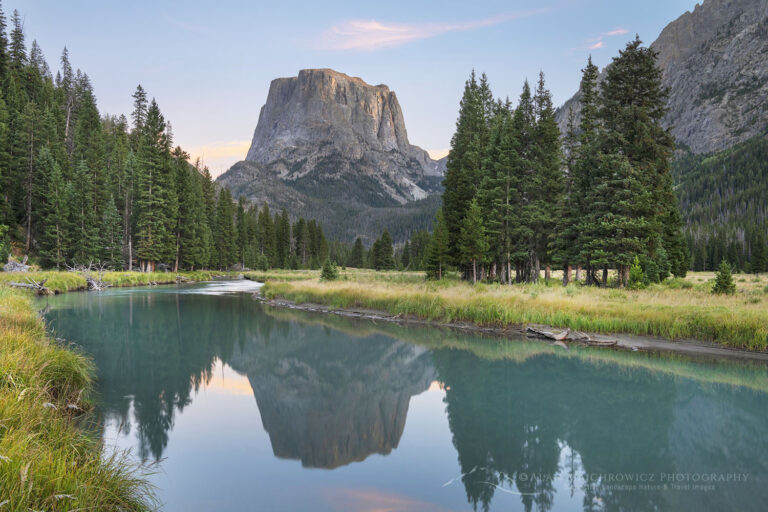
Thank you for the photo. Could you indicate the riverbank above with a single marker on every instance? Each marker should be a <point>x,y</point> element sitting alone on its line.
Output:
<point>679,311</point>
<point>48,460</point>
<point>61,281</point>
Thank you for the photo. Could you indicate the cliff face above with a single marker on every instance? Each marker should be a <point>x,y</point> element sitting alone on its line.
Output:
<point>324,127</point>
<point>715,64</point>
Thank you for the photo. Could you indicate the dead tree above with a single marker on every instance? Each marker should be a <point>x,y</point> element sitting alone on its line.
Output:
<point>33,285</point>
<point>93,274</point>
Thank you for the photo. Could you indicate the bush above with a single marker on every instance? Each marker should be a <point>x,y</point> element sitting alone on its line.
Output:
<point>636,276</point>
<point>724,280</point>
<point>329,272</point>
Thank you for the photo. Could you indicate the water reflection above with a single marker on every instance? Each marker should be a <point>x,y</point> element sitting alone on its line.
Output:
<point>550,428</point>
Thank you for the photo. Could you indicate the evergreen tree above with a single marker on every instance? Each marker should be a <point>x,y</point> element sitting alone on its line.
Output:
<point>465,160</point>
<point>224,234</point>
<point>357,256</point>
<point>473,242</point>
<point>55,241</point>
<point>111,235</point>
<point>151,237</point>
<point>724,280</point>
<point>282,239</point>
<point>85,235</point>
<point>383,256</point>
<point>439,250</point>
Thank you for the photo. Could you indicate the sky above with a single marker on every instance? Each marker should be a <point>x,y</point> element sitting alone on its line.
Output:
<point>209,64</point>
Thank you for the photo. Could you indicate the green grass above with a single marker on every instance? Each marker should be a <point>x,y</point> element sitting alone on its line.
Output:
<point>673,311</point>
<point>47,461</point>
<point>60,282</point>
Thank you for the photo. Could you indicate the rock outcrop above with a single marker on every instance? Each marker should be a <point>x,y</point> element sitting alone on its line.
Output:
<point>334,148</point>
<point>323,125</point>
<point>715,64</point>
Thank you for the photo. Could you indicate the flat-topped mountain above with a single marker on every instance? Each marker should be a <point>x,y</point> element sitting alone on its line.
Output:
<point>715,64</point>
<point>324,136</point>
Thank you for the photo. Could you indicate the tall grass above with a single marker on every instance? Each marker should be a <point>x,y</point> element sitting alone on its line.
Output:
<point>668,312</point>
<point>47,462</point>
<point>60,281</point>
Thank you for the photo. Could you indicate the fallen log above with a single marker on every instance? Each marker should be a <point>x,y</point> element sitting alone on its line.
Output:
<point>543,332</point>
<point>33,285</point>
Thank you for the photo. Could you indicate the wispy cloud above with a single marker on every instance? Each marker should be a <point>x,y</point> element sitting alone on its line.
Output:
<point>595,43</point>
<point>371,35</point>
<point>220,155</point>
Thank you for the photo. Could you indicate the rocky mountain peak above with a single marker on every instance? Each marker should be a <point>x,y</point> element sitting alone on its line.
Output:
<point>715,64</point>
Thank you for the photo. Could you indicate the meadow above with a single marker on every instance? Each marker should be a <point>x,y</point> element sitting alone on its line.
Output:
<point>676,309</point>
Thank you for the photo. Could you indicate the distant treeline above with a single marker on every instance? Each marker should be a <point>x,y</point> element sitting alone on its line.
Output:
<point>724,199</point>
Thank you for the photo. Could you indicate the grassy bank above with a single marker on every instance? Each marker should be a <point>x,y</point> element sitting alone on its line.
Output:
<point>675,310</point>
<point>47,462</point>
<point>59,282</point>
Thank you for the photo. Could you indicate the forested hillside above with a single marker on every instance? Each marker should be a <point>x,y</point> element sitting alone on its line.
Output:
<point>80,187</point>
<point>724,200</point>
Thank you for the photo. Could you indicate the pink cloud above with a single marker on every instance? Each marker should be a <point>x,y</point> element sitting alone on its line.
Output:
<point>371,35</point>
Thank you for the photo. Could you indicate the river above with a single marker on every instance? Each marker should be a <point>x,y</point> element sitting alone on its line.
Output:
<point>241,406</point>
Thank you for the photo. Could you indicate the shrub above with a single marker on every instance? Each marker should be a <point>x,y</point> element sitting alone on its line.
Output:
<point>724,280</point>
<point>329,272</point>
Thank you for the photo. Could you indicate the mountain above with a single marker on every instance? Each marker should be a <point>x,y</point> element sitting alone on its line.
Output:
<point>715,64</point>
<point>334,148</point>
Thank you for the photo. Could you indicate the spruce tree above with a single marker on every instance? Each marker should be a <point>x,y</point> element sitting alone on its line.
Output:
<point>465,160</point>
<point>55,242</point>
<point>151,237</point>
<point>357,256</point>
<point>224,234</point>
<point>473,242</point>
<point>110,235</point>
<point>439,250</point>
<point>85,235</point>
<point>724,280</point>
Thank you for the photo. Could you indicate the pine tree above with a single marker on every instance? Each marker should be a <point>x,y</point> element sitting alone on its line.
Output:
<point>383,256</point>
<point>283,239</point>
<point>438,251</point>
<point>633,104</point>
<point>724,280</point>
<point>357,256</point>
<point>473,242</point>
<point>111,235</point>
<point>151,236</point>
<point>224,234</point>
<point>55,241</point>
<point>85,235</point>
<point>465,160</point>
<point>405,259</point>
<point>548,181</point>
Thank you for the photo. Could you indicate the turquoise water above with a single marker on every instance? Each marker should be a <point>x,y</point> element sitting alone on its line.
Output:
<point>246,407</point>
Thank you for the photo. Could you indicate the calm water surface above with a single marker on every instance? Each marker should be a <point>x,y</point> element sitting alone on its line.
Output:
<point>247,407</point>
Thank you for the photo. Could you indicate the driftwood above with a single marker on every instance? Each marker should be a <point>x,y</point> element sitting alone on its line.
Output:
<point>33,285</point>
<point>182,279</point>
<point>560,337</point>
<point>15,266</point>
<point>543,332</point>
<point>93,274</point>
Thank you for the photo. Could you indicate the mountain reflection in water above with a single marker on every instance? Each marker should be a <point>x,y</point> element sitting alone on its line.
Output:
<point>525,420</point>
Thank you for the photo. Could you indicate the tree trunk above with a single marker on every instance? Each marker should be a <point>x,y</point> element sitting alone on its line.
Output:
<point>578,273</point>
<point>547,273</point>
<point>474,271</point>
<point>605,276</point>
<point>567,275</point>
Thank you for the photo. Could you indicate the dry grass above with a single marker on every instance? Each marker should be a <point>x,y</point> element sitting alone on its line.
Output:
<point>673,310</point>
